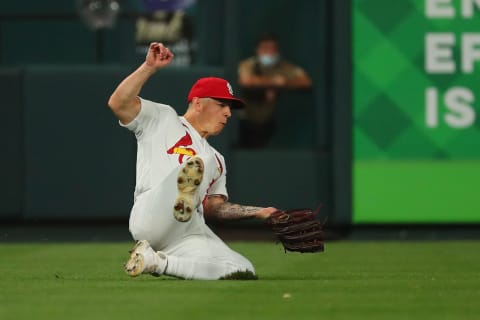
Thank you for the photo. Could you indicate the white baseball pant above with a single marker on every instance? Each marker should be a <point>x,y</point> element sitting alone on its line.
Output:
<point>193,251</point>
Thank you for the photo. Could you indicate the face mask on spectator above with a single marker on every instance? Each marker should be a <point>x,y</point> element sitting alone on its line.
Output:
<point>268,60</point>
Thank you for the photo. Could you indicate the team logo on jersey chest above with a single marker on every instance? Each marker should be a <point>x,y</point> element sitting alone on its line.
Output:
<point>182,148</point>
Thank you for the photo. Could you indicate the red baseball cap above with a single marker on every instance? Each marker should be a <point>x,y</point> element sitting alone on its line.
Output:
<point>216,88</point>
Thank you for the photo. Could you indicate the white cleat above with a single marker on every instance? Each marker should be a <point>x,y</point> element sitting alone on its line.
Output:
<point>143,259</point>
<point>189,178</point>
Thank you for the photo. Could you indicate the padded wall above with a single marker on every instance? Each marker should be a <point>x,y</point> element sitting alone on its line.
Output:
<point>79,163</point>
<point>11,142</point>
<point>281,178</point>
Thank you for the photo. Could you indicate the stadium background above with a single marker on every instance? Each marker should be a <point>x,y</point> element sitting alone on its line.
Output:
<point>356,142</point>
<point>398,190</point>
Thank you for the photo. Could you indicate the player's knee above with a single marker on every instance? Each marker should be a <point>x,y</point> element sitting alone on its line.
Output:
<point>242,266</point>
<point>139,233</point>
<point>241,270</point>
<point>240,275</point>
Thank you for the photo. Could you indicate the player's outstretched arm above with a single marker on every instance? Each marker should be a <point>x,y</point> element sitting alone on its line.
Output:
<point>124,101</point>
<point>216,206</point>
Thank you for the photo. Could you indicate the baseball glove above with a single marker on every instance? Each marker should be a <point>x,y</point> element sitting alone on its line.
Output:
<point>297,230</point>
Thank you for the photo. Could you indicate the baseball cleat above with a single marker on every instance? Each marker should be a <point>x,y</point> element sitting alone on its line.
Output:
<point>189,178</point>
<point>143,259</point>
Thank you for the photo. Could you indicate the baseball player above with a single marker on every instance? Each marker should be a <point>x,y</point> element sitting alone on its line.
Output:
<point>180,178</point>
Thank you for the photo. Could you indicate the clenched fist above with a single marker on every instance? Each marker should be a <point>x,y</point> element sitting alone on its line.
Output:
<point>158,55</point>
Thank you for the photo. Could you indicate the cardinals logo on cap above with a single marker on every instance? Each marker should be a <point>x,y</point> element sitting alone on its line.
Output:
<point>229,87</point>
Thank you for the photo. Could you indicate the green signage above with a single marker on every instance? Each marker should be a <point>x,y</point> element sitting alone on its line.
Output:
<point>416,104</point>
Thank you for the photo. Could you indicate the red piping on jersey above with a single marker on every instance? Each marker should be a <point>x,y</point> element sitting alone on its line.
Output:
<point>220,166</point>
<point>220,169</point>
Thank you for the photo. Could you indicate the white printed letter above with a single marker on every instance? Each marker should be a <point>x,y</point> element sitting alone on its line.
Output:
<point>470,51</point>
<point>431,107</point>
<point>468,7</point>
<point>458,100</point>
<point>439,9</point>
<point>438,53</point>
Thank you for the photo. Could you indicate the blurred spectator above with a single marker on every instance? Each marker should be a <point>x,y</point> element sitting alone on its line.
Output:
<point>261,77</point>
<point>171,23</point>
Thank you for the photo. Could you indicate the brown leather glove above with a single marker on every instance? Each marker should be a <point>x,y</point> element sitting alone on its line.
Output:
<point>297,230</point>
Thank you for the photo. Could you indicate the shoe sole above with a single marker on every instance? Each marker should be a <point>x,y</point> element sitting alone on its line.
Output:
<point>189,178</point>
<point>136,264</point>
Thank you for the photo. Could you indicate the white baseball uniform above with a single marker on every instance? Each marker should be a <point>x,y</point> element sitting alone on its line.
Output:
<point>165,141</point>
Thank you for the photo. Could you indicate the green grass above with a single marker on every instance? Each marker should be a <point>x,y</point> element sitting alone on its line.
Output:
<point>351,280</point>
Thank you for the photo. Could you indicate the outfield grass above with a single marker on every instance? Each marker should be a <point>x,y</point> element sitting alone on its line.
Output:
<point>351,280</point>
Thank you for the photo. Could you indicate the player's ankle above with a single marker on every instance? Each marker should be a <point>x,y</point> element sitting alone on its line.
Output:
<point>160,263</point>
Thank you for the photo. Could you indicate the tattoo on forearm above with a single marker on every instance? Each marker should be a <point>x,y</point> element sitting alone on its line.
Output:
<point>229,210</point>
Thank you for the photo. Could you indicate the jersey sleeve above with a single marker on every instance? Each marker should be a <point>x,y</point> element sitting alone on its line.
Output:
<point>219,186</point>
<point>151,116</point>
